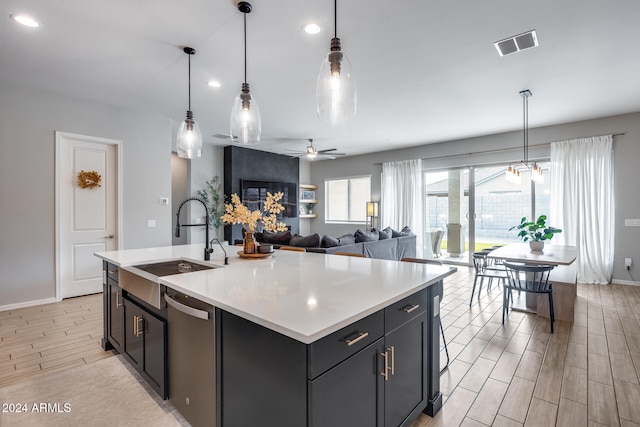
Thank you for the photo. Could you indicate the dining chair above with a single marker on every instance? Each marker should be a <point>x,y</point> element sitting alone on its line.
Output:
<point>444,340</point>
<point>292,248</point>
<point>527,278</point>
<point>482,271</point>
<point>350,254</point>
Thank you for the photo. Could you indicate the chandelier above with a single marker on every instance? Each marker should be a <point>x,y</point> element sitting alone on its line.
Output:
<point>512,173</point>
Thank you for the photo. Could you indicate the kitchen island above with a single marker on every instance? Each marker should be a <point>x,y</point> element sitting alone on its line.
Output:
<point>309,339</point>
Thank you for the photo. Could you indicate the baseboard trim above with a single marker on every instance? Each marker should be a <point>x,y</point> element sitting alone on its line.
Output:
<point>625,282</point>
<point>27,304</point>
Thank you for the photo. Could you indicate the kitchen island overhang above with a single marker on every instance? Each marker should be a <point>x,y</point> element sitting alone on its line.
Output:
<point>310,299</point>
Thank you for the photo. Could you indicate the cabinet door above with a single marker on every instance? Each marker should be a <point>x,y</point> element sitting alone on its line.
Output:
<point>133,330</point>
<point>405,391</point>
<point>116,316</point>
<point>154,353</point>
<point>350,394</point>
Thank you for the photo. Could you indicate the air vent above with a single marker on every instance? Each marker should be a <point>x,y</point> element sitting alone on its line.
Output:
<point>517,43</point>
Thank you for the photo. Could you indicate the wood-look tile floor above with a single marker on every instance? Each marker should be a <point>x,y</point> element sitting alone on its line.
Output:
<point>51,337</point>
<point>585,374</point>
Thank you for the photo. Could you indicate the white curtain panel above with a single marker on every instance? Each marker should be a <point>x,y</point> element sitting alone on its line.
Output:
<point>582,203</point>
<point>401,197</point>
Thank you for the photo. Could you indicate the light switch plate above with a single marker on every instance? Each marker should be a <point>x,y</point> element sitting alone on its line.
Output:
<point>632,222</point>
<point>151,223</point>
<point>164,201</point>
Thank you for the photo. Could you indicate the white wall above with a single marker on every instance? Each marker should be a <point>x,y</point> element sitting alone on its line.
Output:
<point>28,120</point>
<point>470,152</point>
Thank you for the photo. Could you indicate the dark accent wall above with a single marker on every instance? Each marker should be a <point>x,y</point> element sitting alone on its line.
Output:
<point>244,163</point>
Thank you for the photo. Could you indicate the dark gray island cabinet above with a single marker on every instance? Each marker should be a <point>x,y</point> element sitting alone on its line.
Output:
<point>354,344</point>
<point>382,370</point>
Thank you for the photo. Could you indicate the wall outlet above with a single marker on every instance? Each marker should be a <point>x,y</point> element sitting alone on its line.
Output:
<point>164,201</point>
<point>627,263</point>
<point>151,223</point>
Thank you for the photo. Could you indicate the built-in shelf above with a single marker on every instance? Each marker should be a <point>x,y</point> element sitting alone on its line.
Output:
<point>310,190</point>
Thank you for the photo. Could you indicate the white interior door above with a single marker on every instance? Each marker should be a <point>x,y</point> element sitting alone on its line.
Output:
<point>87,218</point>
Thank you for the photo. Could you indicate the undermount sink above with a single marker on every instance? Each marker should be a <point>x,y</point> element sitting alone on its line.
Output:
<point>168,268</point>
<point>146,287</point>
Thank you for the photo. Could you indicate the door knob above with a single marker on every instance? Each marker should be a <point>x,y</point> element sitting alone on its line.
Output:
<point>110,236</point>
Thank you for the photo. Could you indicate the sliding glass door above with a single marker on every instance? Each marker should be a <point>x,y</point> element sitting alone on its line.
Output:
<point>447,221</point>
<point>473,209</point>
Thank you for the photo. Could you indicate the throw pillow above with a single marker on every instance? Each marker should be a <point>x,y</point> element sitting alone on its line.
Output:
<point>384,234</point>
<point>329,242</point>
<point>281,238</point>
<point>406,231</point>
<point>363,236</point>
<point>311,241</point>
<point>347,239</point>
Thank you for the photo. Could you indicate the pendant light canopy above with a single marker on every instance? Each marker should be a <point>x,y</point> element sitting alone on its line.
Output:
<point>336,97</point>
<point>189,141</point>
<point>512,173</point>
<point>246,125</point>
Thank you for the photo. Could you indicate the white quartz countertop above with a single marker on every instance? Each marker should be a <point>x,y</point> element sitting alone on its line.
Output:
<point>305,296</point>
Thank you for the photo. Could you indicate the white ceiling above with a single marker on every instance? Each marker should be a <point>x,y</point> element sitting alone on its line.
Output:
<point>426,70</point>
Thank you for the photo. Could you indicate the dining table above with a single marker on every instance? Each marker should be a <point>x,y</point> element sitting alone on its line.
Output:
<point>562,277</point>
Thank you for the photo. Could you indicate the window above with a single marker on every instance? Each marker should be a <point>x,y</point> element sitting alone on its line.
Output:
<point>346,199</point>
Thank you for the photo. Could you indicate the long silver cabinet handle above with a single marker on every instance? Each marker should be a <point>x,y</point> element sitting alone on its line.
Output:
<point>200,314</point>
<point>385,373</point>
<point>410,308</point>
<point>361,336</point>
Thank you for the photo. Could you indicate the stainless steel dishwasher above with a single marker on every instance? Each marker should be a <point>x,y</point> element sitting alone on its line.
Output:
<point>192,360</point>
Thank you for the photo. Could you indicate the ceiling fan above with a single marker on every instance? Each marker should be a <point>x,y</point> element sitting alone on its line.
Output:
<point>312,152</point>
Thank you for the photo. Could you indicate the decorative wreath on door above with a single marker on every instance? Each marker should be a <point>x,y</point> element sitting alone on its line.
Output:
<point>90,179</point>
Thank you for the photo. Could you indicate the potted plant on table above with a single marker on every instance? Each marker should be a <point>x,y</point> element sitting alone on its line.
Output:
<point>535,232</point>
<point>237,213</point>
<point>210,195</point>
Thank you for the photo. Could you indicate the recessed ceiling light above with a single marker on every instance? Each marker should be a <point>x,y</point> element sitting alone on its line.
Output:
<point>25,20</point>
<point>214,83</point>
<point>311,28</point>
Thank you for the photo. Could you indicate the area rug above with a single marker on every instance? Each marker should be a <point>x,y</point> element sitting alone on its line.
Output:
<point>103,393</point>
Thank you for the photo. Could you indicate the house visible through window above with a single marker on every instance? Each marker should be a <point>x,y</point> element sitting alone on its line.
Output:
<point>346,199</point>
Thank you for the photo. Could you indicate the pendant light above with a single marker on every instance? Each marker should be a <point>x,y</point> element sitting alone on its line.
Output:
<point>189,141</point>
<point>336,97</point>
<point>246,125</point>
<point>512,173</point>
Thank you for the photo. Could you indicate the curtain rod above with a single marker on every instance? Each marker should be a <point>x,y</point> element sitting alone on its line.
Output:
<point>497,150</point>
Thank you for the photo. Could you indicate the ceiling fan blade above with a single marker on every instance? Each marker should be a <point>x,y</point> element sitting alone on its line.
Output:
<point>327,150</point>
<point>323,153</point>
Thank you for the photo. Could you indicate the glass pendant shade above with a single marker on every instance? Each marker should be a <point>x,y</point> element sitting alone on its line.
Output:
<point>246,125</point>
<point>336,96</point>
<point>189,141</point>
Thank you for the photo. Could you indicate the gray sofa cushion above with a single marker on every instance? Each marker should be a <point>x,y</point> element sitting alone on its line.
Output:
<point>364,236</point>
<point>329,242</point>
<point>310,241</point>
<point>384,234</point>
<point>281,238</point>
<point>347,239</point>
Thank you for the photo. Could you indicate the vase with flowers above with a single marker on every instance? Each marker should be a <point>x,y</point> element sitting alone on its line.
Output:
<point>237,213</point>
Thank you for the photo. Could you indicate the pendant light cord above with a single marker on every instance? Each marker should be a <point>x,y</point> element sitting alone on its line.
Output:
<point>245,46</point>
<point>335,18</point>
<point>526,129</point>
<point>189,82</point>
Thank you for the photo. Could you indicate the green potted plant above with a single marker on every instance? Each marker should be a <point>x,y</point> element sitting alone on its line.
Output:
<point>211,195</point>
<point>535,232</point>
